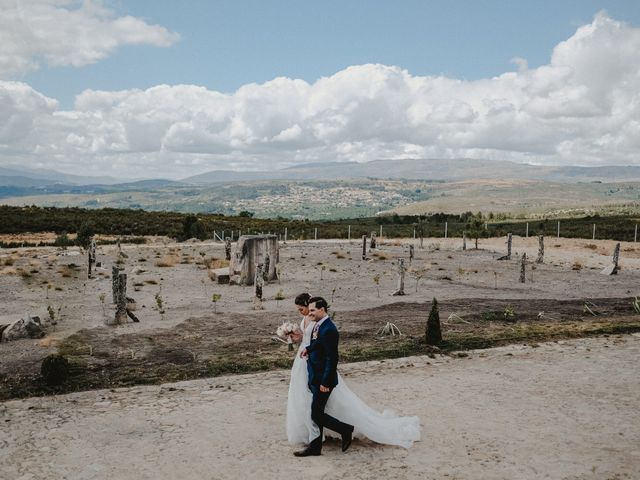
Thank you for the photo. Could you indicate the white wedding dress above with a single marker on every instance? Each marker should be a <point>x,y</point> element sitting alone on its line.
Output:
<point>386,427</point>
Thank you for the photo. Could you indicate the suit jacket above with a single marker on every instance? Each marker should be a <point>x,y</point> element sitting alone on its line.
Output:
<point>322,361</point>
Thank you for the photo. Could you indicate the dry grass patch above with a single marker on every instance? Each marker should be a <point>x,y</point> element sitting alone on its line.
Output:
<point>167,261</point>
<point>577,265</point>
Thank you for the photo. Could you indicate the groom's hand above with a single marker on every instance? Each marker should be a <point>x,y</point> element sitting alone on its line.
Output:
<point>324,389</point>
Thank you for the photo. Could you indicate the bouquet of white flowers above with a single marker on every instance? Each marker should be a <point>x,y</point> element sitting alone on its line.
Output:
<point>285,331</point>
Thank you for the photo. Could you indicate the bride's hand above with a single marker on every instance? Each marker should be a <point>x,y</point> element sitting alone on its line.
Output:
<point>296,337</point>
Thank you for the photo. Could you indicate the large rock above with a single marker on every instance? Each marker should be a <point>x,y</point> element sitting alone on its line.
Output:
<point>220,275</point>
<point>29,327</point>
<point>252,250</point>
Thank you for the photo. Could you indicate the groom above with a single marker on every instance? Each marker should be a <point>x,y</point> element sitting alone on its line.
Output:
<point>322,355</point>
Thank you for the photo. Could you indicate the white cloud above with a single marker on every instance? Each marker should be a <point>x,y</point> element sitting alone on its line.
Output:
<point>67,32</point>
<point>583,107</point>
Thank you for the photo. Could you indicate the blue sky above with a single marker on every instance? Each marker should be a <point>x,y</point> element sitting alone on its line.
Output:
<point>226,44</point>
<point>162,88</point>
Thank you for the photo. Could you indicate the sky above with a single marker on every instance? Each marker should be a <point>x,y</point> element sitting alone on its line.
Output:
<point>160,88</point>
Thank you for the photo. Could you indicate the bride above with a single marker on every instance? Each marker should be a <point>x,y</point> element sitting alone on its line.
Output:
<point>385,427</point>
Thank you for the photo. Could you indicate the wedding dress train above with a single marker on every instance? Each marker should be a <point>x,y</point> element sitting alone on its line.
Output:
<point>386,427</point>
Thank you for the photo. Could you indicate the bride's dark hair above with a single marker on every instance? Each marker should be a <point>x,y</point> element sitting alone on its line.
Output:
<point>302,299</point>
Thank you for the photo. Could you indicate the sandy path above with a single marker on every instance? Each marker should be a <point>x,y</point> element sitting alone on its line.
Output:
<point>566,410</point>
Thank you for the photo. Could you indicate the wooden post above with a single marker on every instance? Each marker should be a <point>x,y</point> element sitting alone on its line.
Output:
<point>527,234</point>
<point>349,233</point>
<point>400,290</point>
<point>540,258</point>
<point>411,253</point>
<point>373,241</point>
<point>558,229</point>
<point>509,240</point>
<point>446,226</point>
<point>258,282</point>
<point>635,235</point>
<point>380,231</point>
<point>121,300</point>
<point>364,247</point>
<point>414,233</point>
<point>523,263</point>
<point>285,234</point>
<point>315,235</point>
<point>464,240</point>
<point>227,249</point>
<point>616,255</point>
<point>593,237</point>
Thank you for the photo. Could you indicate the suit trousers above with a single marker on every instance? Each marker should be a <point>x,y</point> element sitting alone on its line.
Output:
<point>322,419</point>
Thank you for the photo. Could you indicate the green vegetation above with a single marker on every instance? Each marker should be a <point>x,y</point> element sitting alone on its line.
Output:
<point>136,223</point>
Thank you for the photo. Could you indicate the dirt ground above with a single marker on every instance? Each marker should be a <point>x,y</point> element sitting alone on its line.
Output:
<point>564,410</point>
<point>475,291</point>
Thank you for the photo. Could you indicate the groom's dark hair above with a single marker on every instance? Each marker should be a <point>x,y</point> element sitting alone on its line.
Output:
<point>320,302</point>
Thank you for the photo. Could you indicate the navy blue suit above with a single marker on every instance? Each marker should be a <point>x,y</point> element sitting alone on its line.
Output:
<point>321,365</point>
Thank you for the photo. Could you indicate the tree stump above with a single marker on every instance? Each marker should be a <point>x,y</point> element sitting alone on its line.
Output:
<point>400,290</point>
<point>250,251</point>
<point>540,258</point>
<point>523,263</point>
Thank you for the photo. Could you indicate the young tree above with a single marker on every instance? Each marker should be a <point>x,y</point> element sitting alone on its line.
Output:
<point>434,332</point>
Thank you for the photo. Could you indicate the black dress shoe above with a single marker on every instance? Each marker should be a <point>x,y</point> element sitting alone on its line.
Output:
<point>307,452</point>
<point>347,438</point>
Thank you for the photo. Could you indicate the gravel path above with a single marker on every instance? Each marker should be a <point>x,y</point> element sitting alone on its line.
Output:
<point>565,410</point>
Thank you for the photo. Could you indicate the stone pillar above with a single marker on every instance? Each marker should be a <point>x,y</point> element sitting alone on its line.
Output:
<point>523,263</point>
<point>400,290</point>
<point>114,283</point>
<point>364,247</point>
<point>121,299</point>
<point>258,283</point>
<point>227,249</point>
<point>265,268</point>
<point>250,251</point>
<point>613,268</point>
<point>92,256</point>
<point>540,258</point>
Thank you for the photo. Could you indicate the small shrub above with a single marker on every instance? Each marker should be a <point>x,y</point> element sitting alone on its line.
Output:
<point>577,265</point>
<point>591,246</point>
<point>55,369</point>
<point>433,333</point>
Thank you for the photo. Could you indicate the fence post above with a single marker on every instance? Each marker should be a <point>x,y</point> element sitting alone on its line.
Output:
<point>315,234</point>
<point>593,237</point>
<point>380,231</point>
<point>349,235</point>
<point>285,234</point>
<point>635,236</point>
<point>558,236</point>
<point>527,230</point>
<point>446,225</point>
<point>414,233</point>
